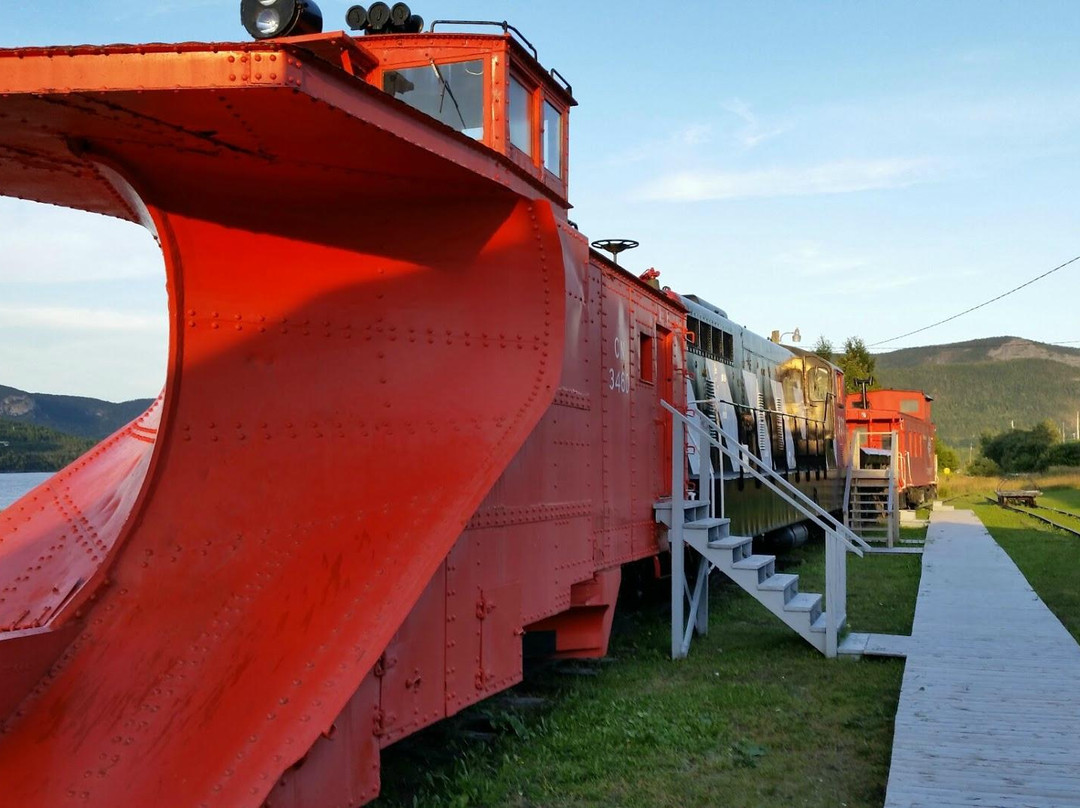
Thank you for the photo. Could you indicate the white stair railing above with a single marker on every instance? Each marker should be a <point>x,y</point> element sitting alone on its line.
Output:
<point>847,496</point>
<point>835,591</point>
<point>746,460</point>
<point>839,539</point>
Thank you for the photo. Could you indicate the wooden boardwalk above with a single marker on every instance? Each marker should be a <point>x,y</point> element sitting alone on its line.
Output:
<point>989,710</point>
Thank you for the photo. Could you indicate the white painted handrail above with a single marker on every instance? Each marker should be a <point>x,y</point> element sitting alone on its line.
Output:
<point>779,486</point>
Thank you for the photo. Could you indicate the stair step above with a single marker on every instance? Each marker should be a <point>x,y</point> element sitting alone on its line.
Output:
<point>730,541</point>
<point>787,585</point>
<point>819,624</point>
<point>692,510</point>
<point>740,546</point>
<point>714,528</point>
<point>803,602</point>
<point>706,524</point>
<point>762,564</point>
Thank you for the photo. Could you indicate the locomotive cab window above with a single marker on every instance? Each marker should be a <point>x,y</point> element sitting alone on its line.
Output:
<point>450,92</point>
<point>552,137</point>
<point>820,379</point>
<point>521,118</point>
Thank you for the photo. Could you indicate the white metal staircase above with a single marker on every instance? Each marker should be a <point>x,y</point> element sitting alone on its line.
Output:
<point>871,506</point>
<point>693,523</point>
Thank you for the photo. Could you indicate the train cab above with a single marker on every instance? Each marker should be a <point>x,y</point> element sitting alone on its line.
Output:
<point>489,87</point>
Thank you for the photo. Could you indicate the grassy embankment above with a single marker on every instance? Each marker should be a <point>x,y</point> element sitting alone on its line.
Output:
<point>754,716</point>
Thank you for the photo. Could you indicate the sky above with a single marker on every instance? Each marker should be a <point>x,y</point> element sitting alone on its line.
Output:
<point>844,168</point>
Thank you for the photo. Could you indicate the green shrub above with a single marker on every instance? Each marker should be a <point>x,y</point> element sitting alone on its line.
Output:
<point>983,467</point>
<point>1064,454</point>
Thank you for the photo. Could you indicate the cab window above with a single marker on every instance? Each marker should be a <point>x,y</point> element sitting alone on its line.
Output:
<point>820,379</point>
<point>451,92</point>
<point>520,111</point>
<point>552,139</point>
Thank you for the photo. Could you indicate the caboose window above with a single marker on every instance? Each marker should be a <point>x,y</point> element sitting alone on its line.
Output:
<point>520,117</point>
<point>646,357</point>
<point>909,405</point>
<point>552,139</point>
<point>452,93</point>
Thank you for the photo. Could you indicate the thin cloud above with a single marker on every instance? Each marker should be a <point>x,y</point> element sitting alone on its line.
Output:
<point>813,261</point>
<point>752,132</point>
<point>694,134</point>
<point>857,287</point>
<point>840,177</point>
<point>42,244</point>
<point>78,319</point>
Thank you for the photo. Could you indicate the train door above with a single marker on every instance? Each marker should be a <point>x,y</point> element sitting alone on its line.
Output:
<point>665,391</point>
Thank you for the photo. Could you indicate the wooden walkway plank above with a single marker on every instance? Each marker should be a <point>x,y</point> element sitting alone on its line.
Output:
<point>989,711</point>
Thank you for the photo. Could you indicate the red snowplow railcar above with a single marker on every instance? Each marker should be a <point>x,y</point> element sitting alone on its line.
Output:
<point>384,449</point>
<point>903,416</point>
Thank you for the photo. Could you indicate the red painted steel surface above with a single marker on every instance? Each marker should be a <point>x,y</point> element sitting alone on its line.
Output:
<point>407,419</point>
<point>55,545</point>
<point>542,552</point>
<point>366,323</point>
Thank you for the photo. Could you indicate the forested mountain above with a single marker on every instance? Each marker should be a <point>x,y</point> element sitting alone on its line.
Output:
<point>74,415</point>
<point>28,447</point>
<point>989,385</point>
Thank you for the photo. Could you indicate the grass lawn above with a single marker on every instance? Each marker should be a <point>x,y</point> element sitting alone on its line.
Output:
<point>754,717</point>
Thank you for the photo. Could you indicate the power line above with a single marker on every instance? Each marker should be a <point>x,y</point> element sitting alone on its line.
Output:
<point>973,308</point>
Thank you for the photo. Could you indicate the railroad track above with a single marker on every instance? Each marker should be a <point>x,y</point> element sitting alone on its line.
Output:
<point>1031,512</point>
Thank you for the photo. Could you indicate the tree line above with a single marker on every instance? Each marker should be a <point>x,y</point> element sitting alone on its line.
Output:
<point>29,447</point>
<point>1024,450</point>
<point>1009,452</point>
<point>856,361</point>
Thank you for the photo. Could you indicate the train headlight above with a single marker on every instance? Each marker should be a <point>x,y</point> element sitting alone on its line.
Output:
<point>381,18</point>
<point>265,19</point>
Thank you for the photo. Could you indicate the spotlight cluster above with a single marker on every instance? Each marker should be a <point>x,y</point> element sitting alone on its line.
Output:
<point>382,18</point>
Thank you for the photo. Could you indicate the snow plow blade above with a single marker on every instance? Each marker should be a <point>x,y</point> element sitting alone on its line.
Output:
<point>366,322</point>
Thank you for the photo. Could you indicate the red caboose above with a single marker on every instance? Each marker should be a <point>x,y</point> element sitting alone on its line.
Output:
<point>902,416</point>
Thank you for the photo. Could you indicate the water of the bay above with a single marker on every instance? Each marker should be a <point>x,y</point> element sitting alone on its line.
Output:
<point>14,485</point>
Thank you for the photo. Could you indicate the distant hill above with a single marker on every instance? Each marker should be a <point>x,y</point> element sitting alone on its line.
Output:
<point>987,384</point>
<point>73,415</point>
<point>29,447</point>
